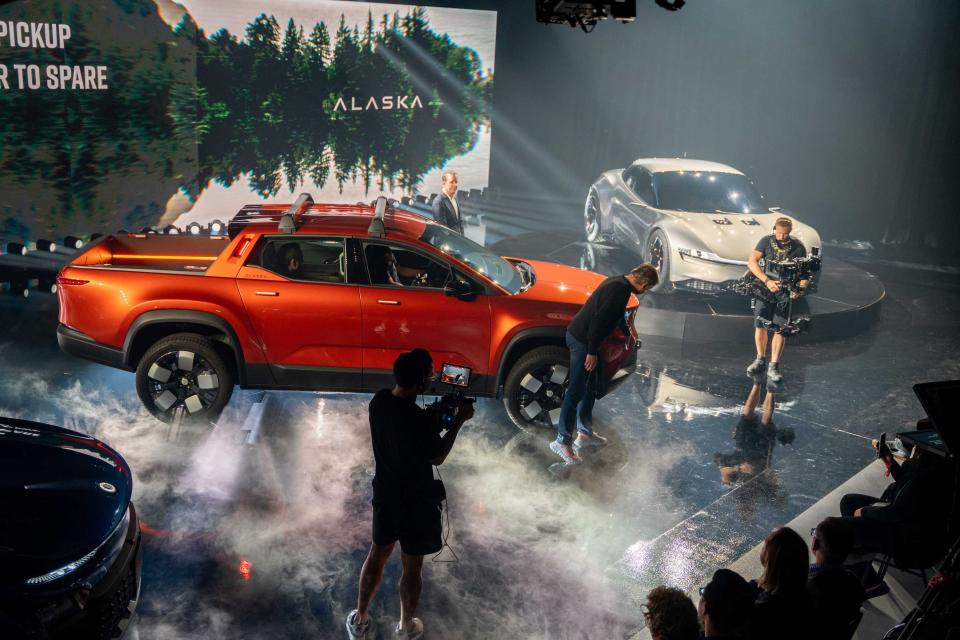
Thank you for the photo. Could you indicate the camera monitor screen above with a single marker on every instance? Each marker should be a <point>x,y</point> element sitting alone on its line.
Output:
<point>457,376</point>
<point>939,401</point>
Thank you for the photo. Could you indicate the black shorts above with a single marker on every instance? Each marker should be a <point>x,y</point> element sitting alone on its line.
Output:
<point>417,527</point>
<point>765,313</point>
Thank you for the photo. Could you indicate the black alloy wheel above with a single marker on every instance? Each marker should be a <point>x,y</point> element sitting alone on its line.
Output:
<point>184,373</point>
<point>658,254</point>
<point>535,386</point>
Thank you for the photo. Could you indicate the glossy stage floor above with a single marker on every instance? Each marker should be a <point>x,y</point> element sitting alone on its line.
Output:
<point>257,527</point>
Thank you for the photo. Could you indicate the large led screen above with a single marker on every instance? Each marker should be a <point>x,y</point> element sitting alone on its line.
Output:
<point>134,113</point>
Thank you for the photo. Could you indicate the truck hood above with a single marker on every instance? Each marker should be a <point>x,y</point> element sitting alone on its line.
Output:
<point>560,284</point>
<point>736,240</point>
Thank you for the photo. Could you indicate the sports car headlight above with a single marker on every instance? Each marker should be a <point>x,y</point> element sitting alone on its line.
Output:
<point>709,256</point>
<point>67,569</point>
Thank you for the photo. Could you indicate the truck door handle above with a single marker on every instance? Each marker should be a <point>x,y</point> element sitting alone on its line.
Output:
<point>267,293</point>
<point>393,302</point>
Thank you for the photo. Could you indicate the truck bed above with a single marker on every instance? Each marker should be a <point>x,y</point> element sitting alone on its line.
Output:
<point>154,252</point>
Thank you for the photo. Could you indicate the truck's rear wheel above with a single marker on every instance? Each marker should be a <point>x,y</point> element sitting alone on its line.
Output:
<point>534,388</point>
<point>184,372</point>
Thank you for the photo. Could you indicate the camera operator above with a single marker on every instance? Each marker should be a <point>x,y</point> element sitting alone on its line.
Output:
<point>406,498</point>
<point>777,246</point>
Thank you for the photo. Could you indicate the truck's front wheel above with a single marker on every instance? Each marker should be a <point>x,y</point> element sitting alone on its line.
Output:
<point>184,372</point>
<point>534,388</point>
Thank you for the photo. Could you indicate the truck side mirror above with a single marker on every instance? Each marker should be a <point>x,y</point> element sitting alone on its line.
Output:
<point>462,289</point>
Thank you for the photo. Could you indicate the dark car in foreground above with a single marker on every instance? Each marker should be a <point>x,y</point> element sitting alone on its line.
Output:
<point>70,546</point>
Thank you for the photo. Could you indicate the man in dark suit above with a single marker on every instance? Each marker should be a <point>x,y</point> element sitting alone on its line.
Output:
<point>446,209</point>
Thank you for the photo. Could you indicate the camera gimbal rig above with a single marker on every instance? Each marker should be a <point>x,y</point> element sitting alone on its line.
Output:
<point>789,274</point>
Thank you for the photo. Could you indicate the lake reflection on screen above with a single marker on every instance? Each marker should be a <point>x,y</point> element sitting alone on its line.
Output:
<point>198,122</point>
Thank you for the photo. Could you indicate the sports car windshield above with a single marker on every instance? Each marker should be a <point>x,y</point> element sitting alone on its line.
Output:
<point>707,191</point>
<point>489,264</point>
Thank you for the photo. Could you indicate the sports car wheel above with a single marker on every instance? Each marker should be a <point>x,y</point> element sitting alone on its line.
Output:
<point>591,218</point>
<point>534,388</point>
<point>588,258</point>
<point>658,254</point>
<point>184,371</point>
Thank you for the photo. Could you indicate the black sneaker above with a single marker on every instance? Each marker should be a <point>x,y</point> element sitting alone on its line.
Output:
<point>757,366</point>
<point>773,373</point>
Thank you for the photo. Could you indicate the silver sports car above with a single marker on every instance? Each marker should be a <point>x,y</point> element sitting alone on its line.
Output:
<point>696,221</point>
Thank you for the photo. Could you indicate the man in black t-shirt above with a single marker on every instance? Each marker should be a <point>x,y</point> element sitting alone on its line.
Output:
<point>406,498</point>
<point>775,247</point>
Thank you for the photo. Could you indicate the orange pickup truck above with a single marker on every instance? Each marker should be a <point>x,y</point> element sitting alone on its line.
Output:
<point>323,297</point>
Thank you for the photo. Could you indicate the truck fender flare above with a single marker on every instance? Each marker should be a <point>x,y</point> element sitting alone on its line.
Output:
<point>166,316</point>
<point>555,332</point>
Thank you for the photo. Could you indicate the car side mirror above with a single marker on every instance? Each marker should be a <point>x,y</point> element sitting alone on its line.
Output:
<point>461,289</point>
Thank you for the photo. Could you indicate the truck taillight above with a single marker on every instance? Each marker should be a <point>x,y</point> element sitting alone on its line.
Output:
<point>64,281</point>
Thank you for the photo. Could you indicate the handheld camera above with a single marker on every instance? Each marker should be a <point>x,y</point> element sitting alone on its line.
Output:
<point>789,273</point>
<point>448,404</point>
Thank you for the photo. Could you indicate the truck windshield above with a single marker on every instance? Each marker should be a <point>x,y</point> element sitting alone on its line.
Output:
<point>484,261</point>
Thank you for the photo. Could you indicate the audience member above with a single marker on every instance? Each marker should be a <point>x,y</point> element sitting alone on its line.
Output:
<point>670,615</point>
<point>782,608</point>
<point>910,515</point>
<point>835,592</point>
<point>725,605</point>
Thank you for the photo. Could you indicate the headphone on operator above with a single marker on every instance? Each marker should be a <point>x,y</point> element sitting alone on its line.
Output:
<point>783,221</point>
<point>419,358</point>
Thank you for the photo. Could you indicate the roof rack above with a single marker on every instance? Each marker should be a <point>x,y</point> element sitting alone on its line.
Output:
<point>290,220</point>
<point>376,228</point>
<point>252,213</point>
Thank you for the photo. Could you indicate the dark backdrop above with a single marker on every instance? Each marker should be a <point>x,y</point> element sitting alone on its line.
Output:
<point>845,113</point>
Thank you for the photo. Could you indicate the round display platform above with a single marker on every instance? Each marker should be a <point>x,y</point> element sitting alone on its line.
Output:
<point>845,303</point>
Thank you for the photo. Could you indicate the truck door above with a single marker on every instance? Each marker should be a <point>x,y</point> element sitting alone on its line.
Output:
<point>404,306</point>
<point>307,315</point>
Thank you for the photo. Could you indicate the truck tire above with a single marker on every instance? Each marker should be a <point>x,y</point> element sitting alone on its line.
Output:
<point>184,371</point>
<point>534,388</point>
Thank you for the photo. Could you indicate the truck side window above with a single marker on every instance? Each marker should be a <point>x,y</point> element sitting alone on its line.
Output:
<point>398,266</point>
<point>302,258</point>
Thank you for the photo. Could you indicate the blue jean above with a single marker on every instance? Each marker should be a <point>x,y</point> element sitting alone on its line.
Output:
<point>576,412</point>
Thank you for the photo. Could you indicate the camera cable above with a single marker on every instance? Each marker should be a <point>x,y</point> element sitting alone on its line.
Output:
<point>445,517</point>
<point>445,528</point>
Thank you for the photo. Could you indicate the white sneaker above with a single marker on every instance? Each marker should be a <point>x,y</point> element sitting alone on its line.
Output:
<point>413,630</point>
<point>594,440</point>
<point>558,449</point>
<point>355,630</point>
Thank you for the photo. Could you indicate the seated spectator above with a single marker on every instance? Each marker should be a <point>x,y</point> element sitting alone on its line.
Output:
<point>725,605</point>
<point>291,259</point>
<point>782,608</point>
<point>835,592</point>
<point>384,268</point>
<point>909,519</point>
<point>670,615</point>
